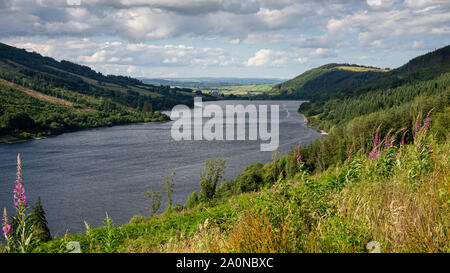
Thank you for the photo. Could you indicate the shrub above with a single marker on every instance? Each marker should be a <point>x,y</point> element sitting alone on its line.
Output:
<point>210,175</point>
<point>192,200</point>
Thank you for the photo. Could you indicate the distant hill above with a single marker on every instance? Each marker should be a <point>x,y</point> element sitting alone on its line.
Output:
<point>207,82</point>
<point>327,79</point>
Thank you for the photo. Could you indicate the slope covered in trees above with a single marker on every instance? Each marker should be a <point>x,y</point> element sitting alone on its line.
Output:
<point>40,96</point>
<point>325,80</point>
<point>343,80</point>
<point>425,78</point>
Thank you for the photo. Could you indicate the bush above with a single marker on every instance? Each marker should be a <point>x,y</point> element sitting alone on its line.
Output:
<point>211,175</point>
<point>192,200</point>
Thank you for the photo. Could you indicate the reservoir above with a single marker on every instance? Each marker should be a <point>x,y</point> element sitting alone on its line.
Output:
<point>82,175</point>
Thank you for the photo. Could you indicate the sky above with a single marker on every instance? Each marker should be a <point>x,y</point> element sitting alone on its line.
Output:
<point>225,38</point>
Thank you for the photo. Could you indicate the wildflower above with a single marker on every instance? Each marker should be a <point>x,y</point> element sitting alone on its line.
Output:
<point>427,123</point>
<point>20,199</point>
<point>416,126</point>
<point>299,156</point>
<point>420,145</point>
<point>375,141</point>
<point>402,141</point>
<point>427,119</point>
<point>392,140</point>
<point>350,151</point>
<point>251,202</point>
<point>5,226</point>
<point>372,155</point>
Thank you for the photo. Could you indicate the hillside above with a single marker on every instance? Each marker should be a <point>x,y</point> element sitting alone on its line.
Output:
<point>327,79</point>
<point>344,80</point>
<point>426,77</point>
<point>41,96</point>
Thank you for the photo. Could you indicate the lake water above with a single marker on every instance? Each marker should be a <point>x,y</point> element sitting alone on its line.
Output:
<point>81,175</point>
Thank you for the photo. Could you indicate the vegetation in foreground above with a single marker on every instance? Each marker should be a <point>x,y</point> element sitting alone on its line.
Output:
<point>393,194</point>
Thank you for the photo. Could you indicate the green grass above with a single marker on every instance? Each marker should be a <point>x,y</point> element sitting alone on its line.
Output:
<point>253,89</point>
<point>362,68</point>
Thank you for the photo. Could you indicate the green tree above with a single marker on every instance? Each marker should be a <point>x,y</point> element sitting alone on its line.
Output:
<point>167,181</point>
<point>147,107</point>
<point>155,199</point>
<point>192,200</point>
<point>211,175</point>
<point>40,228</point>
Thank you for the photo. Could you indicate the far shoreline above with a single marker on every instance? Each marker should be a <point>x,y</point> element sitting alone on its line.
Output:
<point>8,139</point>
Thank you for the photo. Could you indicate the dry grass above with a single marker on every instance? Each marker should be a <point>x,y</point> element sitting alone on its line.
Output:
<point>253,233</point>
<point>402,217</point>
<point>361,69</point>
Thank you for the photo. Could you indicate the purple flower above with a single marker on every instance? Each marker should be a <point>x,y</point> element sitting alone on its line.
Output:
<point>420,145</point>
<point>402,141</point>
<point>416,126</point>
<point>372,155</point>
<point>5,226</point>
<point>427,122</point>
<point>299,156</point>
<point>251,202</point>
<point>20,199</point>
<point>392,140</point>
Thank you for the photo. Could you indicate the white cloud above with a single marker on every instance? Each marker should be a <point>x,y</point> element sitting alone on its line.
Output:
<point>129,56</point>
<point>115,34</point>
<point>267,57</point>
<point>302,60</point>
<point>274,58</point>
<point>418,44</point>
<point>323,52</point>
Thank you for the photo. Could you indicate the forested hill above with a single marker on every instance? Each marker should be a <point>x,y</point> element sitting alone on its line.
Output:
<point>41,96</point>
<point>425,81</point>
<point>326,80</point>
<point>440,57</point>
<point>46,73</point>
<point>344,80</point>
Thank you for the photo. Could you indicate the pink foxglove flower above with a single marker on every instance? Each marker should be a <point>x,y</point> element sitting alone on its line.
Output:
<point>20,199</point>
<point>299,156</point>
<point>5,226</point>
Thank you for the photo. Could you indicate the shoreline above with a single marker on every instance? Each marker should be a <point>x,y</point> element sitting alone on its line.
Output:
<point>305,119</point>
<point>8,139</point>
